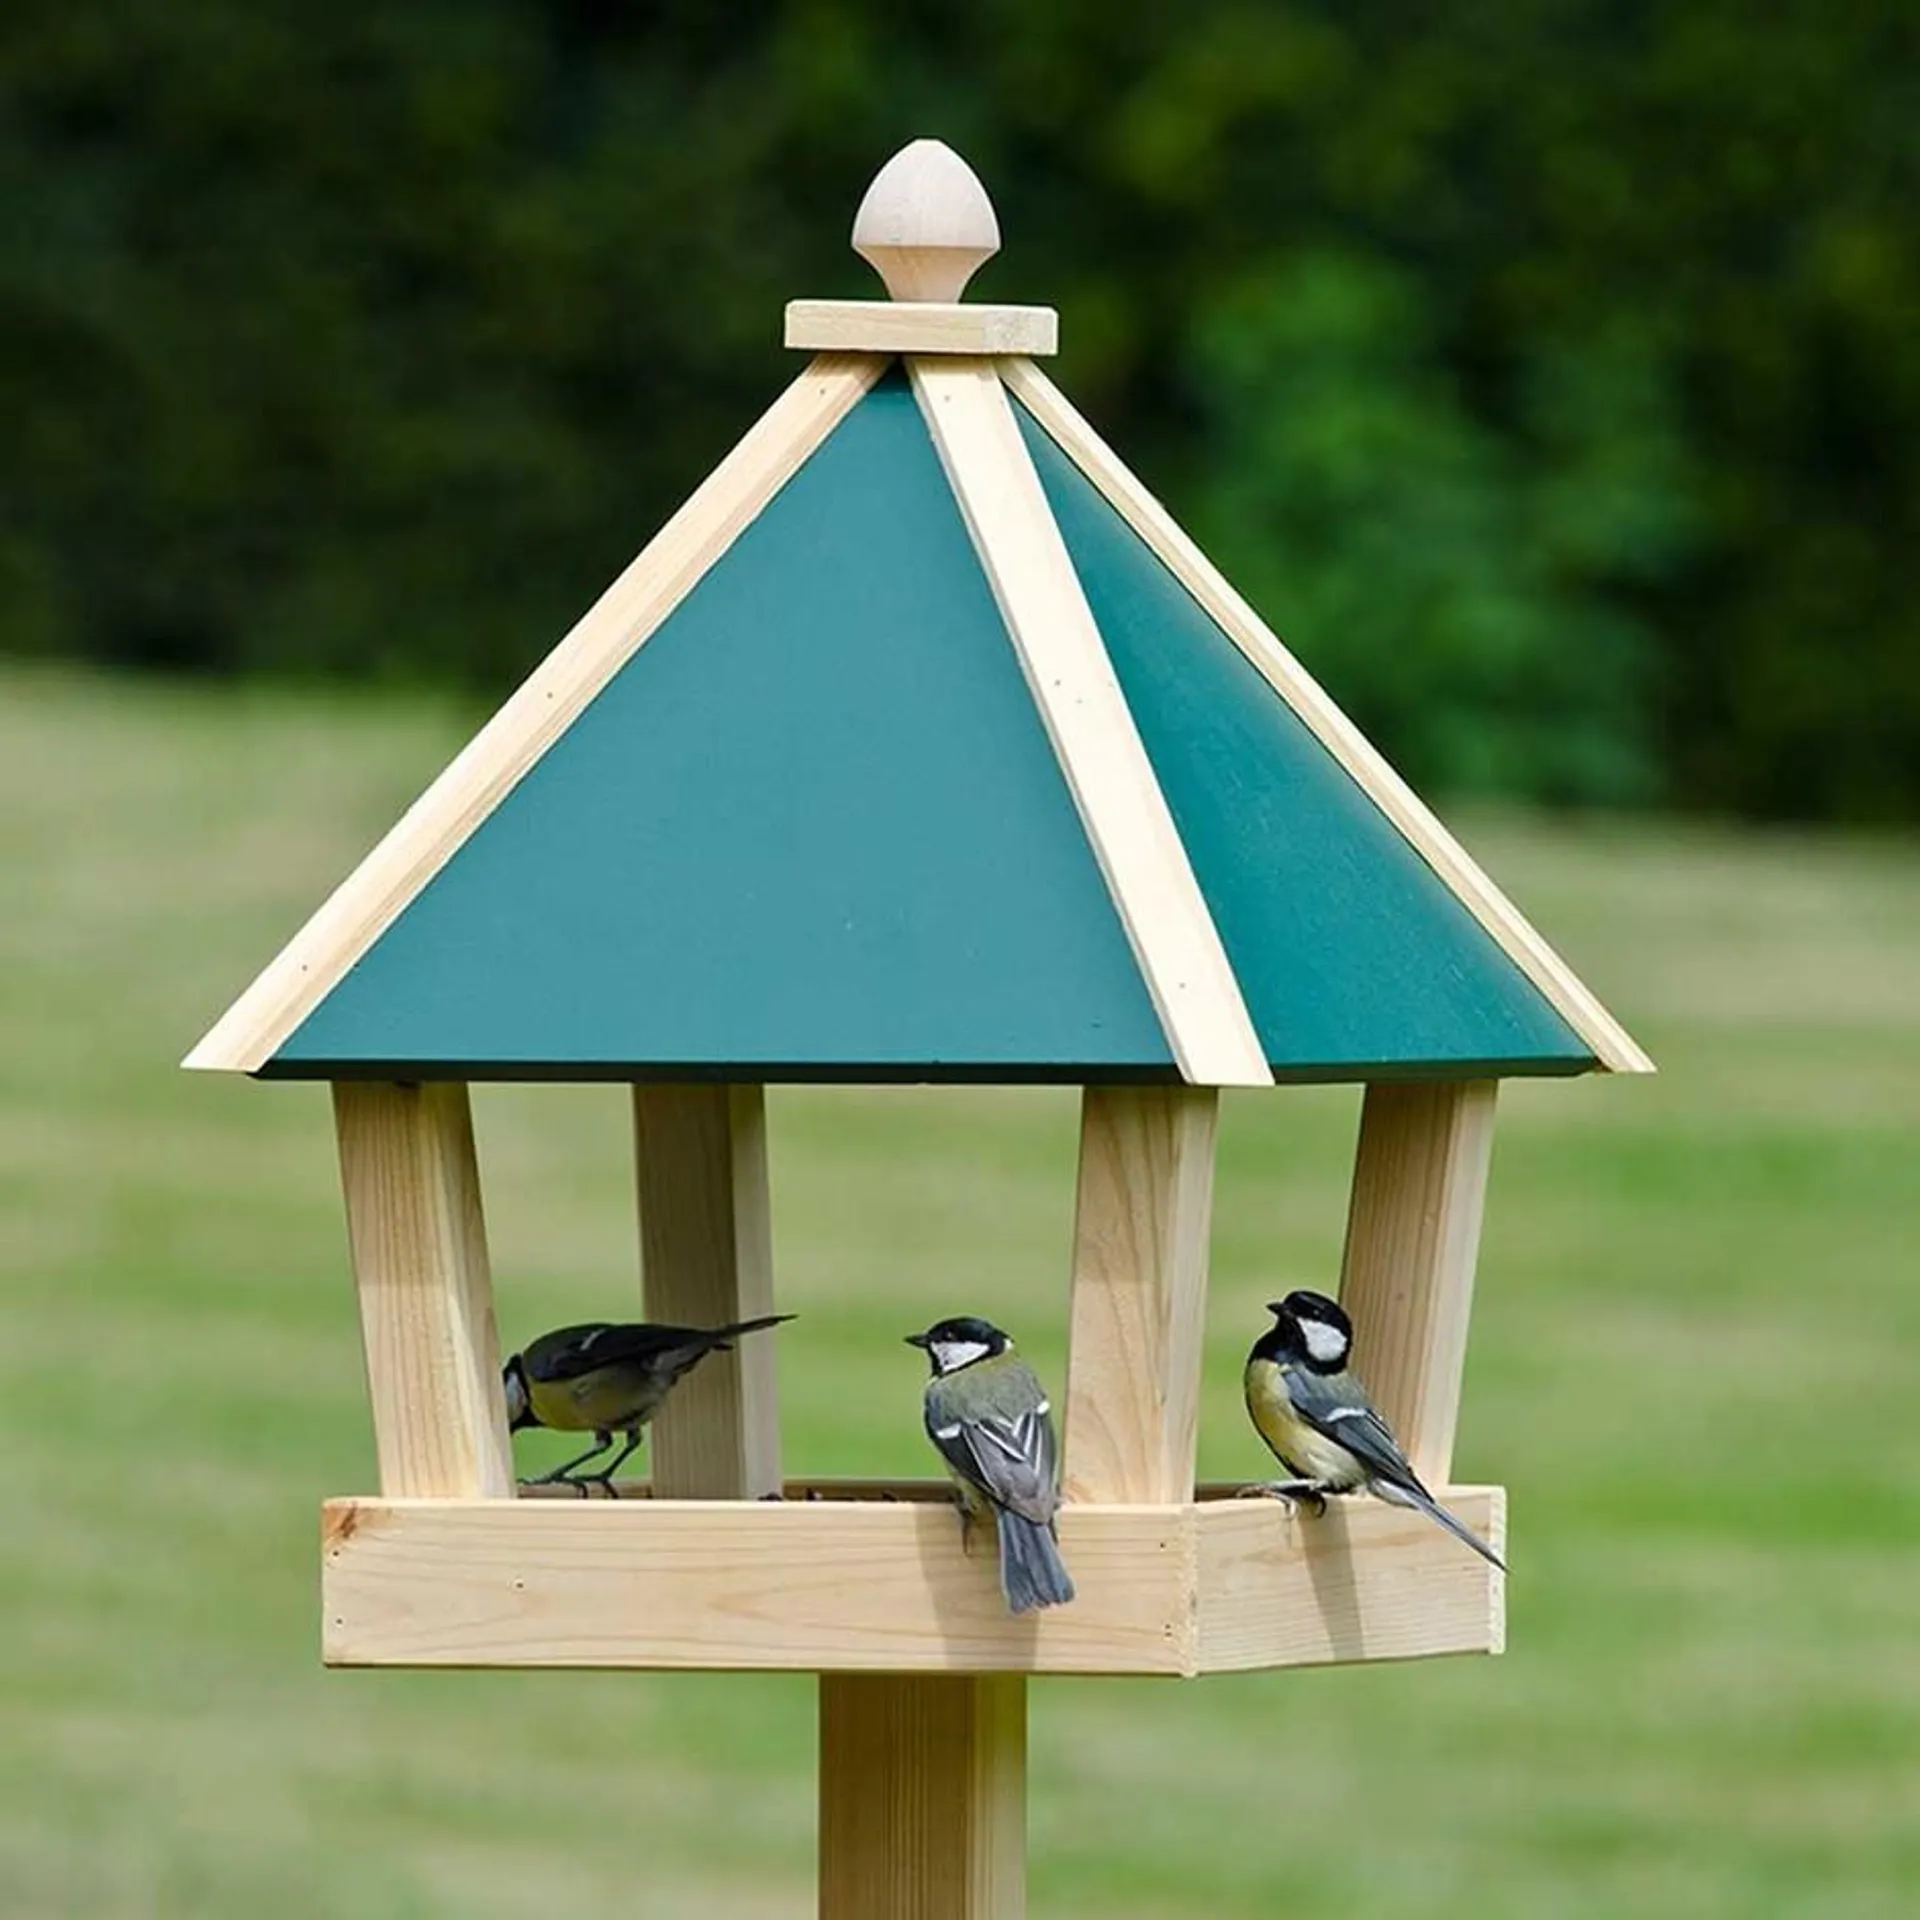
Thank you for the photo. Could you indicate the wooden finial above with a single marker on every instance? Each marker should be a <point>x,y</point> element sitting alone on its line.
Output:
<point>925,227</point>
<point>926,224</point>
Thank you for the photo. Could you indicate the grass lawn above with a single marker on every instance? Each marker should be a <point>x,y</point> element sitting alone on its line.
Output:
<point>1696,1364</point>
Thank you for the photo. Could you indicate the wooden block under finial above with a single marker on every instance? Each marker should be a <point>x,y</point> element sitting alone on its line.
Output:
<point>926,225</point>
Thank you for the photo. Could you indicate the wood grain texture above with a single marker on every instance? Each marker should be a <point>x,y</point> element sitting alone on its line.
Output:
<point>1413,1238</point>
<point>923,1797</point>
<point>543,707</point>
<point>1086,716</point>
<point>419,1247</point>
<point>707,1260</point>
<point>1577,1005</point>
<point>1364,1582</point>
<point>1142,1223</point>
<point>925,326</point>
<point>825,1586</point>
<point>882,1586</point>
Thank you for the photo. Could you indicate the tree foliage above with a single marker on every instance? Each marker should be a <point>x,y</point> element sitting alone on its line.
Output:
<point>1548,371</point>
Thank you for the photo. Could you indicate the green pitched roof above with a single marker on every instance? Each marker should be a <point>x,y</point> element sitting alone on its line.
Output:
<point>814,829</point>
<point>813,824</point>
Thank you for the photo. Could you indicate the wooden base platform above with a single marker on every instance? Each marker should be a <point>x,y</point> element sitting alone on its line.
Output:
<point>842,1577</point>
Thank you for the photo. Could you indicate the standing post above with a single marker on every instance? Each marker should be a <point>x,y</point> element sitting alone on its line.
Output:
<point>1413,1237</point>
<point>923,1797</point>
<point>1141,1229</point>
<point>706,1259</point>
<point>419,1246</point>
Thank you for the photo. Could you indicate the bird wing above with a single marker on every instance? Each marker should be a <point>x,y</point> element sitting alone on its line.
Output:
<point>1011,1457</point>
<point>569,1352</point>
<point>561,1354</point>
<point>1336,1406</point>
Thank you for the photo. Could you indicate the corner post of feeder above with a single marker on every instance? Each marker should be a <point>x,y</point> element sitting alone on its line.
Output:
<point>1142,1223</point>
<point>1413,1238</point>
<point>706,1259</point>
<point>419,1244</point>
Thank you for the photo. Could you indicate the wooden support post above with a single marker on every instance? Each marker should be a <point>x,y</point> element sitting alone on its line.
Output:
<point>923,1797</point>
<point>706,1260</point>
<point>1139,1292</point>
<point>1413,1235</point>
<point>426,1298</point>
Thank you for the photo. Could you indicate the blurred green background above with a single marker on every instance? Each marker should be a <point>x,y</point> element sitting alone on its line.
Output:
<point>1546,368</point>
<point>1692,1363</point>
<point>1549,373</point>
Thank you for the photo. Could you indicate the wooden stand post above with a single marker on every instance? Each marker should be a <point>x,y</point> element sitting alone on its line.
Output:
<point>1413,1236</point>
<point>923,1797</point>
<point>706,1260</point>
<point>426,1297</point>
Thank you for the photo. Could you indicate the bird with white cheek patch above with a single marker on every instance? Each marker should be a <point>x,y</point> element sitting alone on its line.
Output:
<point>989,1416</point>
<point>1314,1414</point>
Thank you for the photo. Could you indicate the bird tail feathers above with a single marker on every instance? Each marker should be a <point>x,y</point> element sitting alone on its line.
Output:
<point>1032,1574</point>
<point>1421,1501</point>
<point>749,1326</point>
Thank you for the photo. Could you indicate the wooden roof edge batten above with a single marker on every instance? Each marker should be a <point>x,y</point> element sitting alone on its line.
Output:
<point>1613,1047</point>
<point>539,712</point>
<point>1073,684</point>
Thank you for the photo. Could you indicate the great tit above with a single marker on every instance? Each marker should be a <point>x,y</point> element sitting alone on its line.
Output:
<point>1316,1417</point>
<point>991,1420</point>
<point>604,1379</point>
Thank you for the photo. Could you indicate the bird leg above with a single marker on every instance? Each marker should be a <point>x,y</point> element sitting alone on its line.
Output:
<point>605,1476</point>
<point>565,1476</point>
<point>965,1505</point>
<point>1309,1494</point>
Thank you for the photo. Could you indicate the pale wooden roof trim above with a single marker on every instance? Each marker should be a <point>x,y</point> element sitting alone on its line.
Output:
<point>1612,1045</point>
<point>552,697</point>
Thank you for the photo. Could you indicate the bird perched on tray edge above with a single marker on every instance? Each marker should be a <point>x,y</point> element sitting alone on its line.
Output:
<point>603,1378</point>
<point>991,1420</point>
<point>1316,1418</point>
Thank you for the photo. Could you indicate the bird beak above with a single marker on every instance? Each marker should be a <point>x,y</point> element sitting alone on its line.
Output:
<point>1277,1308</point>
<point>917,1340</point>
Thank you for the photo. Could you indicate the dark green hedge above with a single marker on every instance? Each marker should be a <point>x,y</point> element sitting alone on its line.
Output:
<point>1550,373</point>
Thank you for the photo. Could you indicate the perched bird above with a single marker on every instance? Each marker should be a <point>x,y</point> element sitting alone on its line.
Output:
<point>603,1379</point>
<point>1319,1422</point>
<point>989,1417</point>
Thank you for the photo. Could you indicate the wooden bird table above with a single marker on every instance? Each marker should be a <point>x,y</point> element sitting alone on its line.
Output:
<point>919,745</point>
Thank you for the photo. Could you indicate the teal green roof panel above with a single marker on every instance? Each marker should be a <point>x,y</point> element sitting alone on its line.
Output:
<point>1354,958</point>
<point>812,829</point>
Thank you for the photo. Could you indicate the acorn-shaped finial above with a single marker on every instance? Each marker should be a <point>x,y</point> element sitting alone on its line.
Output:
<point>926,224</point>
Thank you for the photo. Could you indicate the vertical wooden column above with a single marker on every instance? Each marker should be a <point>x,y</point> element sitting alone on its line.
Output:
<point>1141,1233</point>
<point>419,1245</point>
<point>1413,1237</point>
<point>706,1259</point>
<point>923,1797</point>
